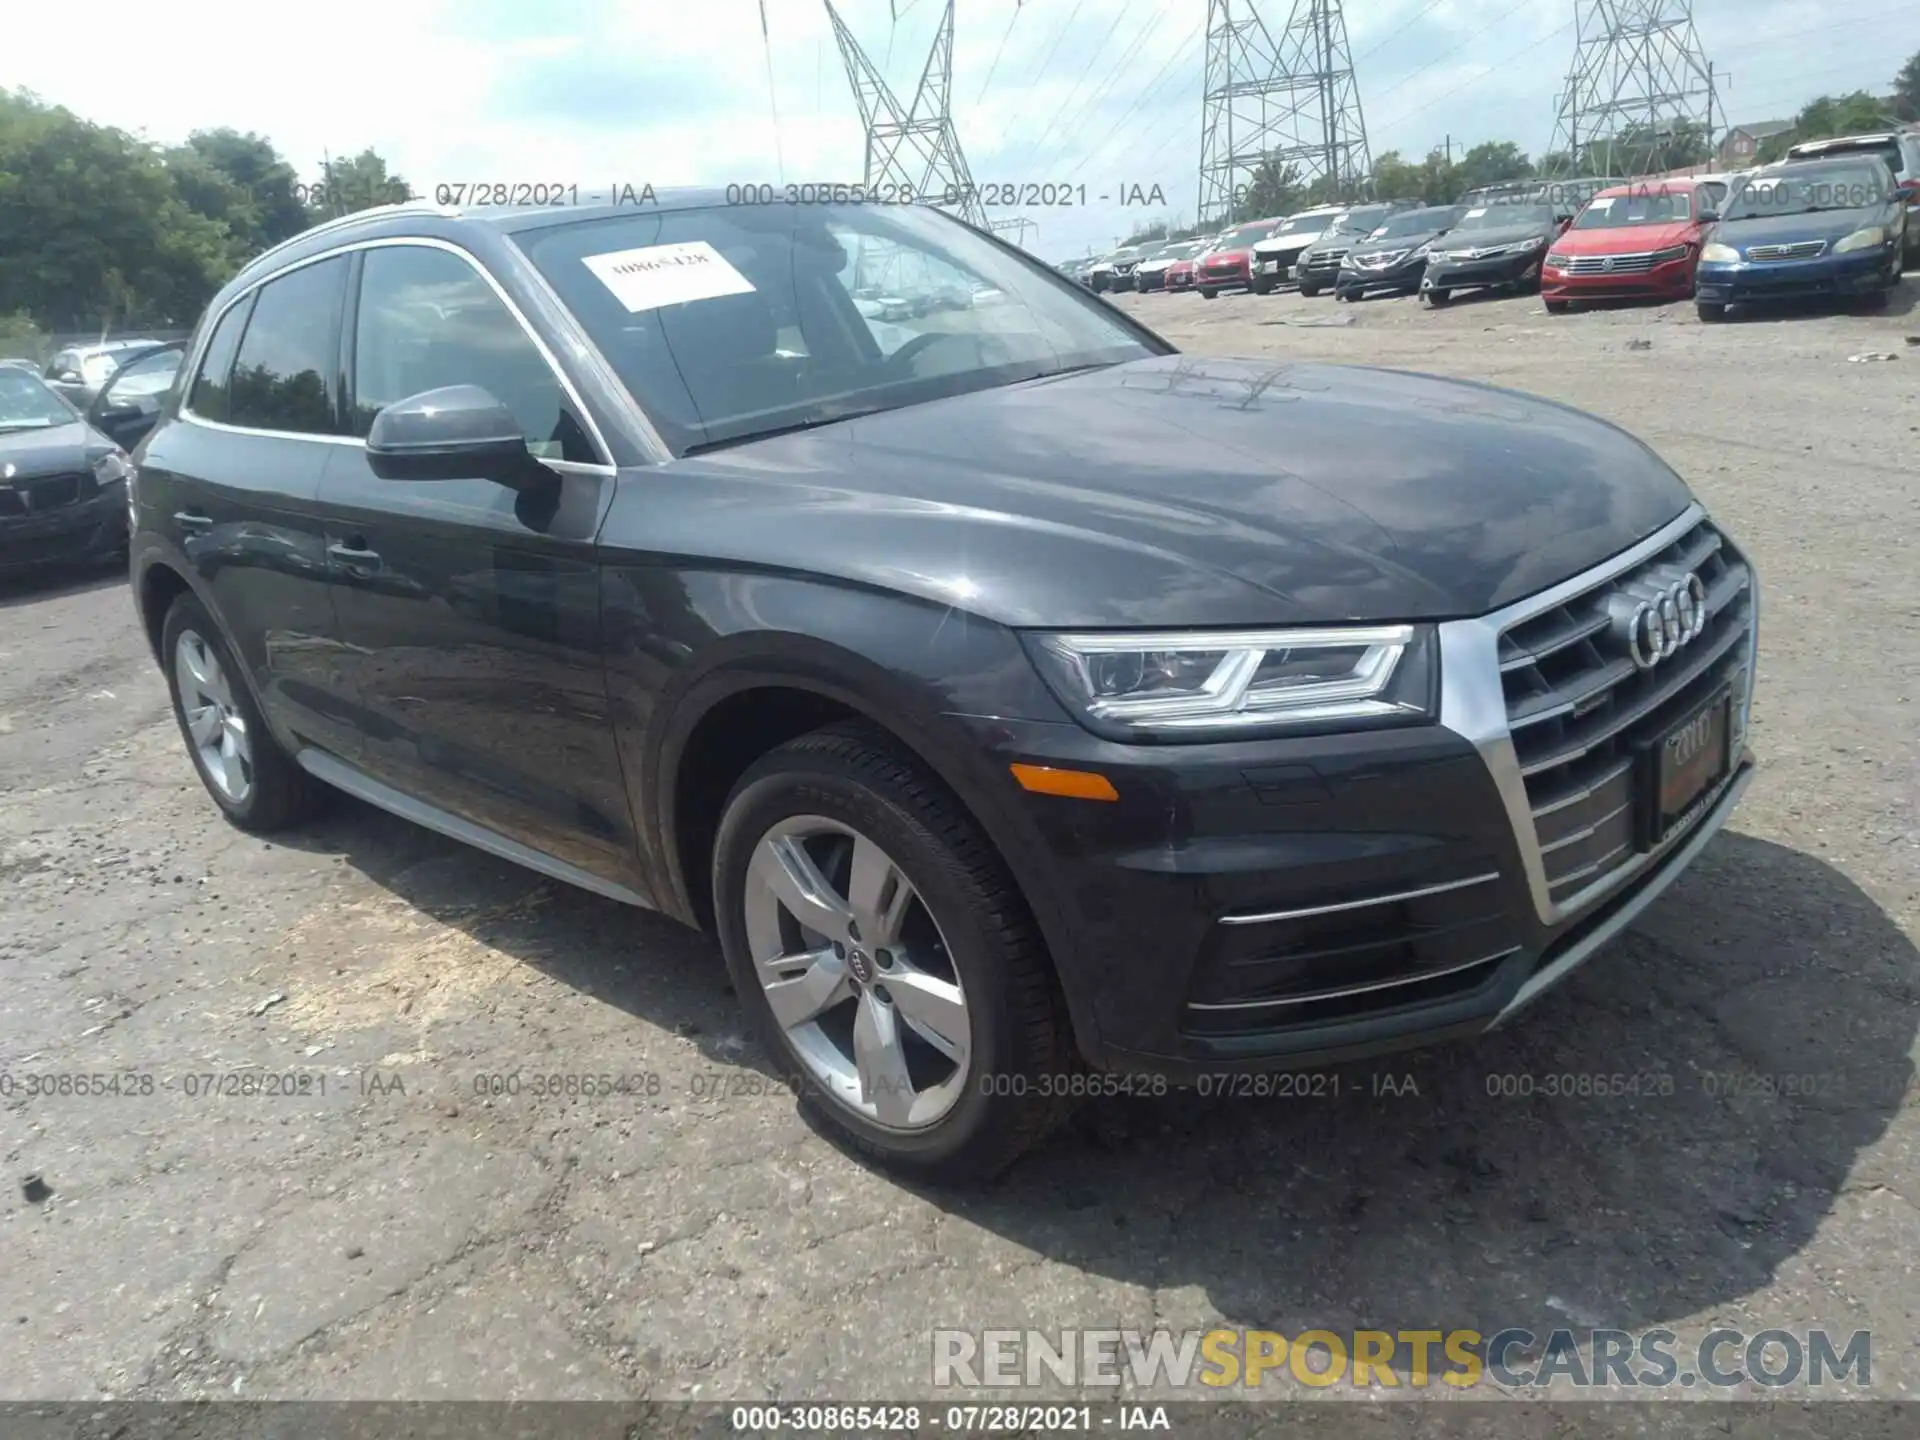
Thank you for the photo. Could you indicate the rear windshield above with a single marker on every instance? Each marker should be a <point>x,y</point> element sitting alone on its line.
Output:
<point>1616,212</point>
<point>732,323</point>
<point>1887,150</point>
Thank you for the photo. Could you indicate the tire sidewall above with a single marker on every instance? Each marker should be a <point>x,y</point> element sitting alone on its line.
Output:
<point>815,785</point>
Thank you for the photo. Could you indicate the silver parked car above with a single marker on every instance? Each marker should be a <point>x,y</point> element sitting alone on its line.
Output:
<point>80,372</point>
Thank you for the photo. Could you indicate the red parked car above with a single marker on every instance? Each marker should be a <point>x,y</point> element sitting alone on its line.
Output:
<point>1635,241</point>
<point>1229,266</point>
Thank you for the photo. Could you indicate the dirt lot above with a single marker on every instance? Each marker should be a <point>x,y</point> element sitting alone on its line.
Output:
<point>404,1234</point>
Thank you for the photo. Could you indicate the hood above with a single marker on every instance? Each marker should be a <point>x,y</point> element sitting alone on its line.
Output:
<point>1292,240</point>
<point>1794,229</point>
<point>1626,239</point>
<point>1505,235</point>
<point>1397,242</point>
<point>1180,491</point>
<point>52,451</point>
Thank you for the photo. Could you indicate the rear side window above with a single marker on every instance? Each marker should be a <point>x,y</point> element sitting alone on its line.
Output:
<point>283,376</point>
<point>426,320</point>
<point>209,397</point>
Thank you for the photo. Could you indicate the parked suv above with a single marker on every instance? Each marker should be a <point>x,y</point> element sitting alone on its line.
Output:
<point>1275,256</point>
<point>78,372</point>
<point>1318,266</point>
<point>986,684</point>
<point>1901,151</point>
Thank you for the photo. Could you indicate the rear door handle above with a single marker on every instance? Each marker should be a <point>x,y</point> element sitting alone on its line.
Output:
<point>192,520</point>
<point>354,552</point>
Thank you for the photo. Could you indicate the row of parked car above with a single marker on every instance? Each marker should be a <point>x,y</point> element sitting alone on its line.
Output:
<point>1831,219</point>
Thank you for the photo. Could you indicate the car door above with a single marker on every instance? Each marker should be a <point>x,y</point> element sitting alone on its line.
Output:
<point>232,487</point>
<point>470,610</point>
<point>126,409</point>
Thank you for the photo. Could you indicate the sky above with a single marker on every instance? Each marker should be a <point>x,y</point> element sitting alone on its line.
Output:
<point>1104,94</point>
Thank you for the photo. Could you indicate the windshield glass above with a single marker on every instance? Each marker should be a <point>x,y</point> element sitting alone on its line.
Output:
<point>729,323</point>
<point>1297,223</point>
<point>26,404</point>
<point>1615,212</point>
<point>1506,217</point>
<point>1805,191</point>
<point>1416,222</point>
<point>1246,235</point>
<point>1360,222</point>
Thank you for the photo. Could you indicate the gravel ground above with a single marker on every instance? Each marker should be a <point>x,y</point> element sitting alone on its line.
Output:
<point>391,1231</point>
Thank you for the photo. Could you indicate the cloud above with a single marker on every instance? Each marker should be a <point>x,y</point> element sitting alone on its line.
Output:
<point>1101,93</point>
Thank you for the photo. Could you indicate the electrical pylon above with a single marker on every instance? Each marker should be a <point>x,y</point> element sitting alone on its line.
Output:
<point>1291,100</point>
<point>1639,78</point>
<point>912,147</point>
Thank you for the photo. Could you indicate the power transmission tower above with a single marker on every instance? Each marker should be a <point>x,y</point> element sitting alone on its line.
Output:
<point>1017,226</point>
<point>1290,100</point>
<point>912,148</point>
<point>1639,89</point>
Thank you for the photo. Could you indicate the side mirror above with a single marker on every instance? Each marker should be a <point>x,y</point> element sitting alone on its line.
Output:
<point>1709,217</point>
<point>69,377</point>
<point>458,432</point>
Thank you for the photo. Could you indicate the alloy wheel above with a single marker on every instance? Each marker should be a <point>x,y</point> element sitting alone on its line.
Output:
<point>856,972</point>
<point>216,726</point>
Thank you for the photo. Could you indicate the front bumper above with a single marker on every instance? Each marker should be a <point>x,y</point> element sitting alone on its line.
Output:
<point>1474,274</point>
<point>1353,280</point>
<point>1838,275</point>
<point>1276,268</point>
<point>1222,277</point>
<point>1297,901</point>
<point>93,527</point>
<point>1670,279</point>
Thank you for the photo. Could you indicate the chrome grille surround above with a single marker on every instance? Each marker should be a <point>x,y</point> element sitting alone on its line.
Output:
<point>1567,792</point>
<point>1637,264</point>
<point>1799,250</point>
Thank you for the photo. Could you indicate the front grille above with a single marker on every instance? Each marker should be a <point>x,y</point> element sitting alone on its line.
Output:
<point>1580,710</point>
<point>1799,250</point>
<point>1379,261</point>
<point>48,492</point>
<point>1610,264</point>
<point>1325,262</point>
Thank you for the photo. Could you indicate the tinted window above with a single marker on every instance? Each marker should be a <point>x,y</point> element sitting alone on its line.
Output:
<point>283,375</point>
<point>144,378</point>
<point>728,323</point>
<point>427,320</point>
<point>209,397</point>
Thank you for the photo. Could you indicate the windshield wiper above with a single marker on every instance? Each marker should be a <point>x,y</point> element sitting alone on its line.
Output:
<point>794,427</point>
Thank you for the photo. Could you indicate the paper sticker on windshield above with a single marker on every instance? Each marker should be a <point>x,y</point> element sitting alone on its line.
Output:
<point>1475,214</point>
<point>656,275</point>
<point>1605,202</point>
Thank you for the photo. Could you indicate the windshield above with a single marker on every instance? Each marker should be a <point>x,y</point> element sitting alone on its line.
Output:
<point>1416,222</point>
<point>1803,192</point>
<point>730,323</point>
<point>1616,212</point>
<point>26,404</point>
<point>1247,234</point>
<point>1297,223</point>
<point>1506,217</point>
<point>1360,222</point>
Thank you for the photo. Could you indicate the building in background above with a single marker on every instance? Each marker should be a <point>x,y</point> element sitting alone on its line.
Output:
<point>1739,145</point>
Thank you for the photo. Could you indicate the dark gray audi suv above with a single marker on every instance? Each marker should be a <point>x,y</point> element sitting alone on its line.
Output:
<point>1029,709</point>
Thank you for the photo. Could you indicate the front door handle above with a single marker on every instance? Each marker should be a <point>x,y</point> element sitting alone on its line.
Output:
<point>354,552</point>
<point>192,520</point>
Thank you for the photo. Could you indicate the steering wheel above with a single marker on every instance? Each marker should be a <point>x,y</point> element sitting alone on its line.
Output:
<point>902,357</point>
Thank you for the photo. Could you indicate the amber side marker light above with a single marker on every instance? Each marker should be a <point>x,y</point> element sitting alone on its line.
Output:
<point>1074,784</point>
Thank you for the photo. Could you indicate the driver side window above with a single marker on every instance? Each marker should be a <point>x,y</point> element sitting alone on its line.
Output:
<point>426,320</point>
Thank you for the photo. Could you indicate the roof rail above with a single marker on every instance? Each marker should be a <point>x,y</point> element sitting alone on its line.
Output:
<point>372,212</point>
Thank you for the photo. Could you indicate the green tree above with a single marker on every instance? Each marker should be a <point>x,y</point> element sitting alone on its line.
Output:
<point>1275,189</point>
<point>1906,89</point>
<point>93,232</point>
<point>358,183</point>
<point>242,182</point>
<point>1827,116</point>
<point>1490,163</point>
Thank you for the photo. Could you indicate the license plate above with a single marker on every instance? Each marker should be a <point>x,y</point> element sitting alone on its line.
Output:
<point>1684,764</point>
<point>1267,267</point>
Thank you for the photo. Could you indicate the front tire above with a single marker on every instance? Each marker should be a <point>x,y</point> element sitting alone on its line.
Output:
<point>1438,298</point>
<point>1556,307</point>
<point>1309,290</point>
<point>1207,292</point>
<point>888,961</point>
<point>255,783</point>
<point>1710,313</point>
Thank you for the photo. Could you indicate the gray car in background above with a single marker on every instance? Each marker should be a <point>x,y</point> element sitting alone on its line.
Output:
<point>79,372</point>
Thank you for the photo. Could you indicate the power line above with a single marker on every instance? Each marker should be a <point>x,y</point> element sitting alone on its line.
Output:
<point>1005,35</point>
<point>1476,79</point>
<point>1152,88</point>
<point>1408,78</point>
<point>1118,65</point>
<point>1401,29</point>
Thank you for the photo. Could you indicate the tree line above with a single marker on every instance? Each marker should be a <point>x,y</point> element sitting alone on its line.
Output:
<point>1277,188</point>
<point>104,231</point>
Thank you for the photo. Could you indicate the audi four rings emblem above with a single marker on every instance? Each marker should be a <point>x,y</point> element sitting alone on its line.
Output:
<point>1658,615</point>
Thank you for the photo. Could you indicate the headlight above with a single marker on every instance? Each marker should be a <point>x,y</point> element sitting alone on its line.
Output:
<point>1862,240</point>
<point>1188,685</point>
<point>1674,252</point>
<point>1714,253</point>
<point>112,466</point>
<point>1556,260</point>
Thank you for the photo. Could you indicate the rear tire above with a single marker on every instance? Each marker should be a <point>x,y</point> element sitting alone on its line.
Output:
<point>964,933</point>
<point>255,783</point>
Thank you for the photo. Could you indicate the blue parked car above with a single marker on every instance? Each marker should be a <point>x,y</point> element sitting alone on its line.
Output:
<point>1828,227</point>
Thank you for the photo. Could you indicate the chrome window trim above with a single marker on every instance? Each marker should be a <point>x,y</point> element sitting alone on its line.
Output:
<point>1473,705</point>
<point>603,466</point>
